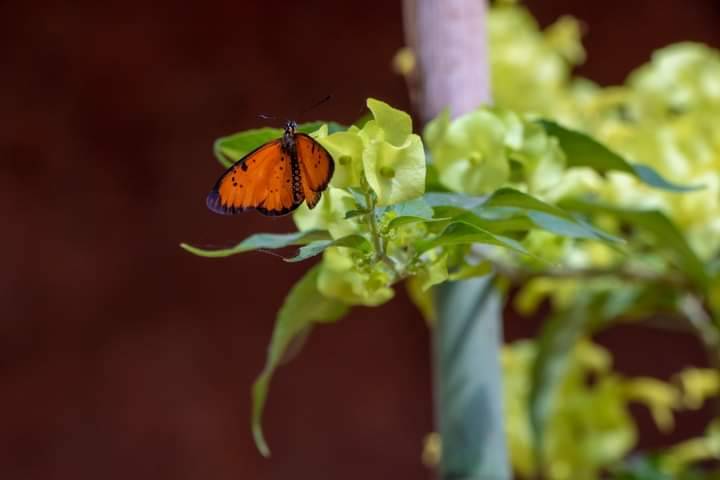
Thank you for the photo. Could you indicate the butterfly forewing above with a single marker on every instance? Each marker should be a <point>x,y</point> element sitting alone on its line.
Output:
<point>259,180</point>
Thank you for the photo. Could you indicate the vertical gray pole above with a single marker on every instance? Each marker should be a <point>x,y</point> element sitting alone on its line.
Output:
<point>450,44</point>
<point>468,381</point>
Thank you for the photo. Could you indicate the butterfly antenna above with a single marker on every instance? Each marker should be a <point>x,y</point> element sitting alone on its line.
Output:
<point>315,105</point>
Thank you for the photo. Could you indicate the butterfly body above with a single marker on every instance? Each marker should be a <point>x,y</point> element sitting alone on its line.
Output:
<point>276,177</point>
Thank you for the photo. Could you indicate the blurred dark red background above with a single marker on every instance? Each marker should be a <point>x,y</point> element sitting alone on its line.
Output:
<point>123,356</point>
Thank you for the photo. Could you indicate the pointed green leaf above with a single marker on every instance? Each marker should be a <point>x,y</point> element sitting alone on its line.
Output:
<point>571,229</point>
<point>413,208</point>
<point>546,216</point>
<point>303,307</point>
<point>511,210</point>
<point>459,200</point>
<point>584,151</point>
<point>357,242</point>
<point>413,211</point>
<point>651,177</point>
<point>462,233</point>
<point>508,197</point>
<point>408,219</point>
<point>261,241</point>
<point>664,232</point>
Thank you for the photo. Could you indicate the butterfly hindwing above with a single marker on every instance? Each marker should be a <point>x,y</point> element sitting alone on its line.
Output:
<point>316,167</point>
<point>262,180</point>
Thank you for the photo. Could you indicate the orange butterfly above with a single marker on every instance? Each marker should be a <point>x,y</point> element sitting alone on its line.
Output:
<point>276,177</point>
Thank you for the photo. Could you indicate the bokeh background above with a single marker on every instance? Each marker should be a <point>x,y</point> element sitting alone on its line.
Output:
<point>122,356</point>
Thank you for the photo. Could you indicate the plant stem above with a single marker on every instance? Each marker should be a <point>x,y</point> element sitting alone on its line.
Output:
<point>375,233</point>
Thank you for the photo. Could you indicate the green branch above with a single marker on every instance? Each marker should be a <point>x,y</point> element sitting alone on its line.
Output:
<point>377,240</point>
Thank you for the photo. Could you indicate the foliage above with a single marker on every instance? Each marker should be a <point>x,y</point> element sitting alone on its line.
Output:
<point>602,203</point>
<point>661,118</point>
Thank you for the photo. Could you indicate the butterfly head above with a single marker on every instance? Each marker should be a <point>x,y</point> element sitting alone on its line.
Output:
<point>290,126</point>
<point>288,139</point>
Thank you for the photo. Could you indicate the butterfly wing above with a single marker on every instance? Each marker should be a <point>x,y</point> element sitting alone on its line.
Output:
<point>262,179</point>
<point>316,167</point>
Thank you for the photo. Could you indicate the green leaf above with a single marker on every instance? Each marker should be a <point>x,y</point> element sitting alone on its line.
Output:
<point>507,197</point>
<point>460,233</point>
<point>358,196</point>
<point>303,307</point>
<point>413,211</point>
<point>557,339</point>
<point>261,241</point>
<point>561,226</point>
<point>357,242</point>
<point>584,151</point>
<point>408,219</point>
<point>497,220</point>
<point>231,148</point>
<point>459,200</point>
<point>508,209</point>
<point>663,231</point>
<point>546,216</point>
<point>413,208</point>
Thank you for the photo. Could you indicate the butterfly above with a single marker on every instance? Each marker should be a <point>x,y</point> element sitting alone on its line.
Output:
<point>276,177</point>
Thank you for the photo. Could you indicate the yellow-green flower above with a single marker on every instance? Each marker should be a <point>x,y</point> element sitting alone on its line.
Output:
<point>469,152</point>
<point>393,157</point>
<point>342,278</point>
<point>328,214</point>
